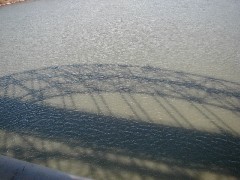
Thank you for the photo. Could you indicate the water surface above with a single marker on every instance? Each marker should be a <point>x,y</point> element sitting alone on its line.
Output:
<point>122,90</point>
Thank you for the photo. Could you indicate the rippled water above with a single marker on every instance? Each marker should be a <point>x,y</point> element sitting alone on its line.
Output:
<point>122,90</point>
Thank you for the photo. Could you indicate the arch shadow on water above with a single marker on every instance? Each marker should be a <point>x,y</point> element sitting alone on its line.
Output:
<point>24,110</point>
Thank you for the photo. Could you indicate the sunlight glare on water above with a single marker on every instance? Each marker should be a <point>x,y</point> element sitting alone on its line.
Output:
<point>122,89</point>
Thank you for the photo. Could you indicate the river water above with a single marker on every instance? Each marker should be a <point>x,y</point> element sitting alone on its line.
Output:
<point>122,89</point>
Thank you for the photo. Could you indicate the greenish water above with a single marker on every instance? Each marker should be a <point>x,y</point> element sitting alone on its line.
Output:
<point>122,90</point>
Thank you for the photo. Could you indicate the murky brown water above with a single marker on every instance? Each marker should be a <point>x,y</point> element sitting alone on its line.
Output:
<point>122,90</point>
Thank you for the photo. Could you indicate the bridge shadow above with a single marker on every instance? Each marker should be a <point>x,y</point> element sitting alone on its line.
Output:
<point>24,111</point>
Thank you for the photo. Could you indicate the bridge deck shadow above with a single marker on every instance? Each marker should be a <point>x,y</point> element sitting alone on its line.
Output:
<point>26,113</point>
